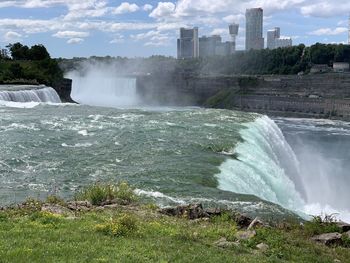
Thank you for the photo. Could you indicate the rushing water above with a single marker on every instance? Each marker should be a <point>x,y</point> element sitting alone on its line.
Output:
<point>174,156</point>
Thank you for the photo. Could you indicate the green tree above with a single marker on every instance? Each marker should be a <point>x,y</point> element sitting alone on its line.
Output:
<point>18,51</point>
<point>38,52</point>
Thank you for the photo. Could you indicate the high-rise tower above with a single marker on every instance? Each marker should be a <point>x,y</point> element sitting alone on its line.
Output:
<point>188,43</point>
<point>233,28</point>
<point>349,31</point>
<point>254,29</point>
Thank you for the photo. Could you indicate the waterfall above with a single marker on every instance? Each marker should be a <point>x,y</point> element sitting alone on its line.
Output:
<point>101,89</point>
<point>46,94</point>
<point>266,167</point>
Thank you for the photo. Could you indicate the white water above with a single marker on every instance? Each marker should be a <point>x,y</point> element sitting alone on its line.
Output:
<point>104,88</point>
<point>268,168</point>
<point>28,97</point>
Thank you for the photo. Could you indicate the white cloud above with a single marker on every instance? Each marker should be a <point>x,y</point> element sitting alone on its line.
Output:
<point>12,36</point>
<point>75,40</point>
<point>71,34</point>
<point>329,31</point>
<point>119,38</point>
<point>163,10</point>
<point>147,7</point>
<point>126,8</point>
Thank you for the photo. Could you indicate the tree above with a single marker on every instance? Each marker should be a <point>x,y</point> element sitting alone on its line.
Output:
<point>16,70</point>
<point>38,52</point>
<point>18,51</point>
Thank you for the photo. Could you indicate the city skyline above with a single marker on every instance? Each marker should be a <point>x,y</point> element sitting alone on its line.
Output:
<point>143,28</point>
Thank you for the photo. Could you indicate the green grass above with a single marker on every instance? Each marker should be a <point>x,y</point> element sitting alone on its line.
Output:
<point>102,192</point>
<point>140,234</point>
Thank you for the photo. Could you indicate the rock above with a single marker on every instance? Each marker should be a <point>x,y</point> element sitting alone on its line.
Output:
<point>328,239</point>
<point>192,211</point>
<point>245,235</point>
<point>223,243</point>
<point>79,205</point>
<point>347,234</point>
<point>262,247</point>
<point>255,223</point>
<point>242,221</point>
<point>113,206</point>
<point>56,209</point>
<point>345,227</point>
<point>337,260</point>
<point>214,212</point>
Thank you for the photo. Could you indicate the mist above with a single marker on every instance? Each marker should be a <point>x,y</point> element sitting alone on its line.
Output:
<point>100,84</point>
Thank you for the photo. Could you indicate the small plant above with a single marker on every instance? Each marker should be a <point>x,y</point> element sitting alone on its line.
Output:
<point>99,193</point>
<point>125,225</point>
<point>320,225</point>
<point>45,218</point>
<point>53,199</point>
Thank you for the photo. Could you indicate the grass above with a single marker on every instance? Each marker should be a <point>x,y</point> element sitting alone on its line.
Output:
<point>100,193</point>
<point>138,233</point>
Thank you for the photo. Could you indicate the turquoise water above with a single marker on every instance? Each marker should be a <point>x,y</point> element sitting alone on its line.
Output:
<point>173,156</point>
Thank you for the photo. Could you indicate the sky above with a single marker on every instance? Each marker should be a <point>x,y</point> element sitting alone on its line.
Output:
<point>141,28</point>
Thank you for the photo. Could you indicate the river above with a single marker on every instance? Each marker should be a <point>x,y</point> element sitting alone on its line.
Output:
<point>246,161</point>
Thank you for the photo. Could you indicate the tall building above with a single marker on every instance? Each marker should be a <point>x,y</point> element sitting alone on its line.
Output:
<point>349,31</point>
<point>254,29</point>
<point>272,35</point>
<point>233,28</point>
<point>208,45</point>
<point>188,43</point>
<point>274,39</point>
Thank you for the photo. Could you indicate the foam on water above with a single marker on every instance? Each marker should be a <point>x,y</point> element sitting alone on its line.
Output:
<point>13,97</point>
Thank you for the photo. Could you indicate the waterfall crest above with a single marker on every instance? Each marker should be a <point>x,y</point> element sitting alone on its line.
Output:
<point>45,94</point>
<point>266,167</point>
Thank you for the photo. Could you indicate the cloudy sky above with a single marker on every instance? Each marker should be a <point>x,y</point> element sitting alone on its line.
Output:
<point>71,28</point>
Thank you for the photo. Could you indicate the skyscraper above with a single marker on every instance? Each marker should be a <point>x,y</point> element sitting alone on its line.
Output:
<point>188,43</point>
<point>233,28</point>
<point>254,29</point>
<point>274,39</point>
<point>272,35</point>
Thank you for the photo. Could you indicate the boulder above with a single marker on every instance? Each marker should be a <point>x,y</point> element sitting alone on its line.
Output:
<point>192,211</point>
<point>245,235</point>
<point>242,221</point>
<point>347,234</point>
<point>79,205</point>
<point>255,223</point>
<point>223,243</point>
<point>328,239</point>
<point>262,247</point>
<point>214,212</point>
<point>56,209</point>
<point>345,227</point>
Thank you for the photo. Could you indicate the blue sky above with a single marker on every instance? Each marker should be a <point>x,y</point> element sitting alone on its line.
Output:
<point>75,28</point>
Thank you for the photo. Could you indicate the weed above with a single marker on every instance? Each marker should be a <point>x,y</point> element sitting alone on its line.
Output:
<point>125,225</point>
<point>100,193</point>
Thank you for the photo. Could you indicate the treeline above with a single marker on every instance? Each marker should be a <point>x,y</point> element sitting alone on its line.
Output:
<point>290,60</point>
<point>22,64</point>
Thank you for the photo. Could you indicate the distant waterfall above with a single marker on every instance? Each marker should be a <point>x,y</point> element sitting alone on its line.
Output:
<point>266,167</point>
<point>31,95</point>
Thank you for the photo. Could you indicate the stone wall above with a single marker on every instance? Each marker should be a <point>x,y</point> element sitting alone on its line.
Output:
<point>323,95</point>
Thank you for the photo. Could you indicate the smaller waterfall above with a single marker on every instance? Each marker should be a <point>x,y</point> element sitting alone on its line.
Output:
<point>46,94</point>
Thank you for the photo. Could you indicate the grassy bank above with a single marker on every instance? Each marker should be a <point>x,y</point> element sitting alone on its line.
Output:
<point>119,229</point>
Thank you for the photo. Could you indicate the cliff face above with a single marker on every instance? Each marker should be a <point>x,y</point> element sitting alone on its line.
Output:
<point>64,89</point>
<point>315,96</point>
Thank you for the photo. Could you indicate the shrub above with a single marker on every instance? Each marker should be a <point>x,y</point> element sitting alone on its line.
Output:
<point>125,225</point>
<point>99,193</point>
<point>53,199</point>
<point>45,218</point>
<point>320,225</point>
